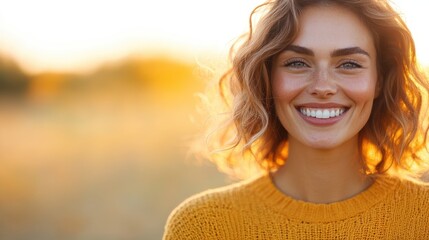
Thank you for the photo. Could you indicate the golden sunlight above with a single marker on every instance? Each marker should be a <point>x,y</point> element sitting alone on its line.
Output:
<point>79,34</point>
<point>69,35</point>
<point>415,15</point>
<point>98,102</point>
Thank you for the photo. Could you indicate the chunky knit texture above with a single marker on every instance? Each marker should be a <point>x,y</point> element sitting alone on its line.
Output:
<point>255,209</point>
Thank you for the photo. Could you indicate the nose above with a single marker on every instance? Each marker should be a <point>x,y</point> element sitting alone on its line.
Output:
<point>322,85</point>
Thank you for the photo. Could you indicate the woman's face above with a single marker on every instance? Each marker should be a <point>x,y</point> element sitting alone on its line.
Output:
<point>324,83</point>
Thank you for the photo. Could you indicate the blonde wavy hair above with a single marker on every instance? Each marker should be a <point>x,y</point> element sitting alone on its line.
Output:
<point>392,141</point>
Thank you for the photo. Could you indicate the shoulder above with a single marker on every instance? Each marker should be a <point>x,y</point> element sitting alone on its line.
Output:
<point>413,189</point>
<point>412,205</point>
<point>205,212</point>
<point>412,199</point>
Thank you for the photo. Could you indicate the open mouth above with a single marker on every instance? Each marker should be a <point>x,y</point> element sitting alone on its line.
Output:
<point>322,113</point>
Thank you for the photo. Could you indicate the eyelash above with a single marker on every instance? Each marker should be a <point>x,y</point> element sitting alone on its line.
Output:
<point>350,62</point>
<point>292,62</point>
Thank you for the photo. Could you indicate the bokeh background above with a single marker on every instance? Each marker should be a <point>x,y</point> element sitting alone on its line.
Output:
<point>97,106</point>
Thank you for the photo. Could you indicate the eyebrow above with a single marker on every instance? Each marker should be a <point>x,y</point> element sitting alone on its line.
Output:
<point>299,49</point>
<point>349,51</point>
<point>335,53</point>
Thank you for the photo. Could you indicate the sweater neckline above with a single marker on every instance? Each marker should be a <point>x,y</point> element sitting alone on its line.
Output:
<point>318,212</point>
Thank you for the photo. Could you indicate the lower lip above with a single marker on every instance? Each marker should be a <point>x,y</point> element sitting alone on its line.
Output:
<point>322,121</point>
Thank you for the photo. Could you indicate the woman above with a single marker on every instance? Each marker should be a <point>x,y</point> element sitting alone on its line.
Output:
<point>328,99</point>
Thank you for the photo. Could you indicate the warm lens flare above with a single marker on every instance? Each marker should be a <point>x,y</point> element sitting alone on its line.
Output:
<point>70,35</point>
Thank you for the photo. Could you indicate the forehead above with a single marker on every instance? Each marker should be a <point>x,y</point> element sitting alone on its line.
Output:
<point>332,26</point>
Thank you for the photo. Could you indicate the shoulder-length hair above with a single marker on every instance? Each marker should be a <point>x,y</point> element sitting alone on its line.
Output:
<point>391,140</point>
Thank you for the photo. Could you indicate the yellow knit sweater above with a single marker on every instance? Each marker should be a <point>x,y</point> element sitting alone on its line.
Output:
<point>255,209</point>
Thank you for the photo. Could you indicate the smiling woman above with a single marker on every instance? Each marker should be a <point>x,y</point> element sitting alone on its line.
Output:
<point>327,98</point>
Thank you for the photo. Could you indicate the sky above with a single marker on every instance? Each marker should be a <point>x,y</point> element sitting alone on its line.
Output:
<point>78,35</point>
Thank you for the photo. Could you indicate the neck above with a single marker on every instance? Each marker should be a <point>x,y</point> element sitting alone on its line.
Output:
<point>321,175</point>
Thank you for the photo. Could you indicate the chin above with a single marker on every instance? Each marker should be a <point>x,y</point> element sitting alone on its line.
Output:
<point>323,144</point>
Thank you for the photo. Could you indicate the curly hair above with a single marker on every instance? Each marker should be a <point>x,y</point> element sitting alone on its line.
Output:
<point>395,135</point>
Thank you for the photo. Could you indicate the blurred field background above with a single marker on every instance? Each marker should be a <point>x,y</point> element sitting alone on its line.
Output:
<point>93,139</point>
<point>97,156</point>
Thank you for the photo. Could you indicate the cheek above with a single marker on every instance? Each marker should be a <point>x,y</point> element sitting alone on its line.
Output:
<point>360,90</point>
<point>285,87</point>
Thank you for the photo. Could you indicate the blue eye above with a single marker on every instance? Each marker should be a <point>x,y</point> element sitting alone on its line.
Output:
<point>350,65</point>
<point>296,64</point>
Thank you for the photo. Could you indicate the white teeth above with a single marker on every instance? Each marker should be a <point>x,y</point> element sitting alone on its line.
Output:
<point>325,113</point>
<point>322,113</point>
